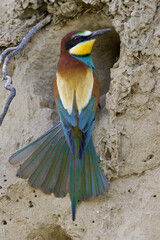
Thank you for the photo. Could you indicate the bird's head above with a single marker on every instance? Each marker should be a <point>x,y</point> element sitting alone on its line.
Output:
<point>80,43</point>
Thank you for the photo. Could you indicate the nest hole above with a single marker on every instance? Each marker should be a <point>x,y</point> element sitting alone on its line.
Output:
<point>105,54</point>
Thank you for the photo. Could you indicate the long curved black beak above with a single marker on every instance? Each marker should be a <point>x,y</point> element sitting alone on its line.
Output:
<point>99,32</point>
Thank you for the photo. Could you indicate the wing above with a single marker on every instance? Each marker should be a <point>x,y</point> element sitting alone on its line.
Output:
<point>87,116</point>
<point>68,120</point>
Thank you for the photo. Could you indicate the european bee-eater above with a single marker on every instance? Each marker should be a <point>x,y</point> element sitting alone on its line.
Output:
<point>64,158</point>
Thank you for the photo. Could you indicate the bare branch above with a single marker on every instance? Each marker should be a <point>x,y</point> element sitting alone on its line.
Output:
<point>22,44</point>
<point>14,51</point>
<point>10,98</point>
<point>5,52</point>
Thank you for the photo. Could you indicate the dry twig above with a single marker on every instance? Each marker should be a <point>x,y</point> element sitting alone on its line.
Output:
<point>14,51</point>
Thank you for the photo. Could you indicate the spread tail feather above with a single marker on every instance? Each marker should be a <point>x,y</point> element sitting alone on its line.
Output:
<point>86,178</point>
<point>93,180</point>
<point>50,165</point>
<point>75,176</point>
<point>74,183</point>
<point>45,162</point>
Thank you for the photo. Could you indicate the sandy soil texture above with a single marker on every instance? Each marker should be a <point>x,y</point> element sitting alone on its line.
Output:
<point>127,128</point>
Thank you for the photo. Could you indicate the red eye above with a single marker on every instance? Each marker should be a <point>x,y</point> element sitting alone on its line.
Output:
<point>77,38</point>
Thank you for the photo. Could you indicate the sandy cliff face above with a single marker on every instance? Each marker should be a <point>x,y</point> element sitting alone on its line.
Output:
<point>127,129</point>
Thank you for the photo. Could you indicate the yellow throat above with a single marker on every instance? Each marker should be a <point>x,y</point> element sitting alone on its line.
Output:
<point>83,48</point>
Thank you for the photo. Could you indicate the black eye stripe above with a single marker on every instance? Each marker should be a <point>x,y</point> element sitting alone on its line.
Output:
<point>73,42</point>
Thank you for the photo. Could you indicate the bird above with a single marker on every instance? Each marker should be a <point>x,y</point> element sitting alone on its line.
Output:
<point>63,160</point>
